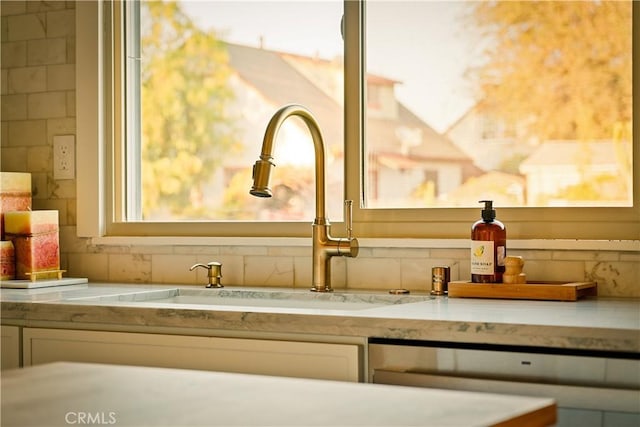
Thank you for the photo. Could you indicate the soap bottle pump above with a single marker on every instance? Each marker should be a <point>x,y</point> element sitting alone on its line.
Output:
<point>488,247</point>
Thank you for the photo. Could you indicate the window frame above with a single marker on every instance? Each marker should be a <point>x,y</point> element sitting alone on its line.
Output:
<point>101,179</point>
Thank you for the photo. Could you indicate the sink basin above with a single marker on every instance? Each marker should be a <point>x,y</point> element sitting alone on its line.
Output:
<point>290,299</point>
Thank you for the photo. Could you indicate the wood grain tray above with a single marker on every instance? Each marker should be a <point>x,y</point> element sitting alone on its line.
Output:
<point>550,291</point>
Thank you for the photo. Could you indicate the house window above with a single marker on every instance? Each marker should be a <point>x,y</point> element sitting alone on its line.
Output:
<point>203,79</point>
<point>409,153</point>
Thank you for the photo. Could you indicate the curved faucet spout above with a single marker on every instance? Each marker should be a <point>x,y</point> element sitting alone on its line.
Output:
<point>324,246</point>
<point>262,168</point>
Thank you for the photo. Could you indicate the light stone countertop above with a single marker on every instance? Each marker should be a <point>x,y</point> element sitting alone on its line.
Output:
<point>592,323</point>
<point>136,396</point>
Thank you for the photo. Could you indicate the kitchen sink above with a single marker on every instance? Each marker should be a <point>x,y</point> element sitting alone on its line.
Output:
<point>296,299</point>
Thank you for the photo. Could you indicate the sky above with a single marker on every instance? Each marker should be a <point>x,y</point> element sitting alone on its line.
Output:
<point>418,43</point>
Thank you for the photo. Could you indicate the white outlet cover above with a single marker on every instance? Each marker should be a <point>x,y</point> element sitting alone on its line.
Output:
<point>64,157</point>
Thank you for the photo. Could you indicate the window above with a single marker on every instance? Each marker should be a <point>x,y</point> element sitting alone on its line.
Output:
<point>405,188</point>
<point>497,95</point>
<point>203,79</point>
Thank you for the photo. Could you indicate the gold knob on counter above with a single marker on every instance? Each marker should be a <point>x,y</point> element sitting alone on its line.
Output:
<point>513,270</point>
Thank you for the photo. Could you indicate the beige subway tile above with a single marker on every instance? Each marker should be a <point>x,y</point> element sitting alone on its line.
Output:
<point>339,266</point>
<point>4,29</point>
<point>63,188</point>
<point>14,54</point>
<point>39,159</point>
<point>615,278</point>
<point>151,249</point>
<point>110,249</point>
<point>373,273</point>
<point>415,275</point>
<point>451,253</point>
<point>4,133</point>
<point>303,267</point>
<point>232,269</point>
<point>14,107</point>
<point>27,133</point>
<point>71,50</point>
<point>61,23</point>
<point>400,252</point>
<point>47,51</point>
<point>69,240</point>
<point>196,250</point>
<point>94,267</point>
<point>14,159</point>
<point>585,255</point>
<point>244,250</point>
<point>72,209</point>
<point>39,186</point>
<point>27,80</point>
<point>26,27</point>
<point>630,256</point>
<point>61,77</point>
<point>47,105</point>
<point>60,126</point>
<point>268,271</point>
<point>563,271</point>
<point>289,250</point>
<point>130,268</point>
<point>172,269</point>
<point>4,86</point>
<point>44,6</point>
<point>12,7</point>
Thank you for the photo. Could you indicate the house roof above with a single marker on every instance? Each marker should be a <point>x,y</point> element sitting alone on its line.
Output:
<point>280,83</point>
<point>571,153</point>
<point>271,73</point>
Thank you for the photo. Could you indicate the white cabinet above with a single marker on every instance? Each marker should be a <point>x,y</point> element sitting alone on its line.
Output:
<point>256,356</point>
<point>10,347</point>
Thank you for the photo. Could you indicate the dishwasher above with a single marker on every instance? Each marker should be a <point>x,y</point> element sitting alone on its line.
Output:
<point>591,388</point>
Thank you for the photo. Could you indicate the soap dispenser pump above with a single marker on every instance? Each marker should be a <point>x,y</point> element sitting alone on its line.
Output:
<point>488,247</point>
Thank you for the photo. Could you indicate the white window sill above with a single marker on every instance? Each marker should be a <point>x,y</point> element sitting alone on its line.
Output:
<point>552,244</point>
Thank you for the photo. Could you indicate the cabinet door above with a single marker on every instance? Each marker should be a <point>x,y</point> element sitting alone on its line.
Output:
<point>254,356</point>
<point>10,347</point>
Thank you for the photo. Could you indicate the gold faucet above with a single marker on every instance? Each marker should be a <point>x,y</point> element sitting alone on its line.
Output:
<point>324,246</point>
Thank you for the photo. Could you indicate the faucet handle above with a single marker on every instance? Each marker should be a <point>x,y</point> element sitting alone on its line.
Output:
<point>214,274</point>
<point>348,217</point>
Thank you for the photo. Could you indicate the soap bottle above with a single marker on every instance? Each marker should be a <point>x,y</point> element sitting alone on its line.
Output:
<point>488,247</point>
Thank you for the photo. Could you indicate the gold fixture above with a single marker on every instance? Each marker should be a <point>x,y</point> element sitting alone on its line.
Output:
<point>214,274</point>
<point>324,246</point>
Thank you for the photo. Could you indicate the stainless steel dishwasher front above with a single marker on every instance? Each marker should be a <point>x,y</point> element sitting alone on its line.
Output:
<point>591,389</point>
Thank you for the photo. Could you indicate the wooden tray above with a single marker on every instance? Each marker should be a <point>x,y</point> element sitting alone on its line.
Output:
<point>551,291</point>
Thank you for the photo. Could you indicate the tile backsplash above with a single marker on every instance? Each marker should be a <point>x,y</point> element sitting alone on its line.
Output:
<point>376,267</point>
<point>38,103</point>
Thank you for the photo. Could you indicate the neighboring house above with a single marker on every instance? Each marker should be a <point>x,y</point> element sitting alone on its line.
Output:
<point>490,142</point>
<point>405,153</point>
<point>602,166</point>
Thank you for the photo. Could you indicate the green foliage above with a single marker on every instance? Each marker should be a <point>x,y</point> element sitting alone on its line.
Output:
<point>564,67</point>
<point>602,187</point>
<point>185,127</point>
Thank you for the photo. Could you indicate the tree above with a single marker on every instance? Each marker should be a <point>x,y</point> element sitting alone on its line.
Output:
<point>563,68</point>
<point>185,126</point>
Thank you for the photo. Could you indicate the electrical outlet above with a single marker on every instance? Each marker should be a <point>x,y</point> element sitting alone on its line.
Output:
<point>64,157</point>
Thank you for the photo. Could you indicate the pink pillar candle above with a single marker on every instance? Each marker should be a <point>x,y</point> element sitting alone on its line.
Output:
<point>15,194</point>
<point>7,261</point>
<point>35,236</point>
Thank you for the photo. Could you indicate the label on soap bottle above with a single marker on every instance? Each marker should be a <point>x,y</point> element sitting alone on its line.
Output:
<point>482,257</point>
